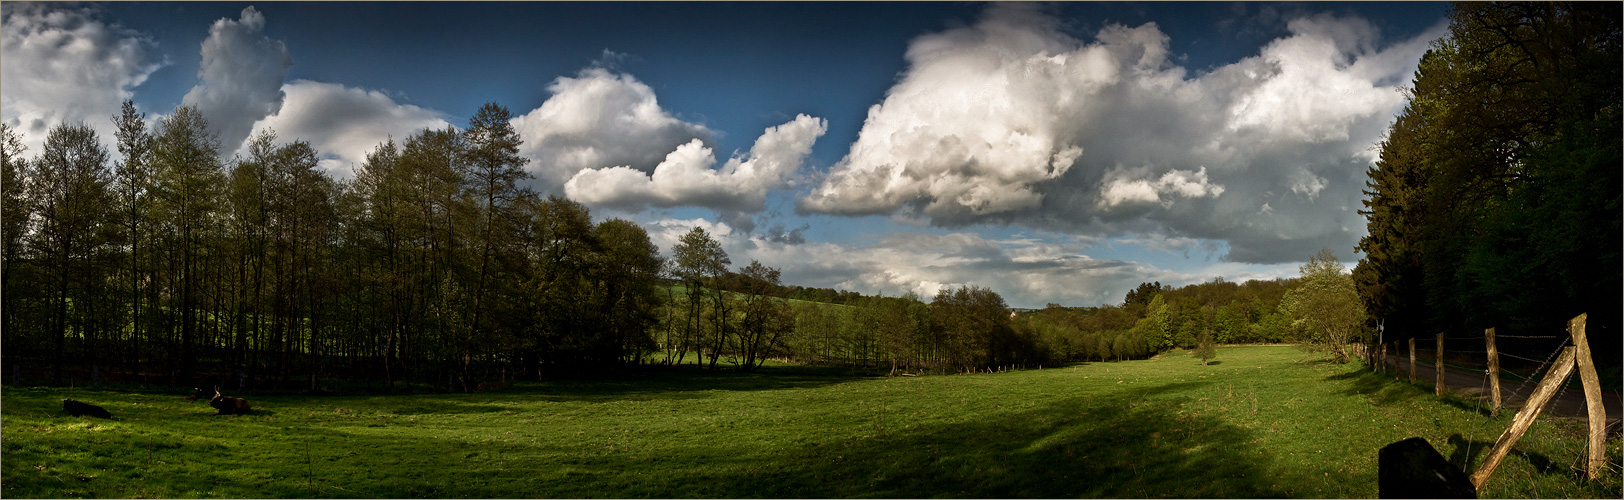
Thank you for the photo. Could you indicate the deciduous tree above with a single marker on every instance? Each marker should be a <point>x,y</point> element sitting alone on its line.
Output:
<point>1325,305</point>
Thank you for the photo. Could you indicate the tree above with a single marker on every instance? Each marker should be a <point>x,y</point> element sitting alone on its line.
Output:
<point>975,329</point>
<point>1204,348</point>
<point>437,234</point>
<point>1325,305</point>
<point>495,168</point>
<point>187,180</point>
<point>383,187</point>
<point>903,329</point>
<point>303,216</point>
<point>16,212</point>
<point>628,274</point>
<point>1494,202</point>
<point>1156,328</point>
<point>699,259</point>
<point>1141,295</point>
<point>70,191</point>
<point>766,319</point>
<point>1231,323</point>
<point>132,178</point>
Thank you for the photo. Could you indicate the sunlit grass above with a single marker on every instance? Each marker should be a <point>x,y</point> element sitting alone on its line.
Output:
<point>1256,424</point>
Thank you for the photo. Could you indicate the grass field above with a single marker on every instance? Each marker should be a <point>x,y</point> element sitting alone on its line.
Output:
<point>1257,423</point>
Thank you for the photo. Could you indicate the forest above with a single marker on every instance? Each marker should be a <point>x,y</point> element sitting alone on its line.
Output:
<point>1495,202</point>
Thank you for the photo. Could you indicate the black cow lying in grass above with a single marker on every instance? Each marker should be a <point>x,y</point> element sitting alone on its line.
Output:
<point>76,408</point>
<point>225,405</point>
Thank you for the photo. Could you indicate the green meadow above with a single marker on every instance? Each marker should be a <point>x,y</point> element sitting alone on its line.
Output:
<point>1258,422</point>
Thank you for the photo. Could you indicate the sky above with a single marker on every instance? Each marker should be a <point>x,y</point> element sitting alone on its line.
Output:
<point>1054,153</point>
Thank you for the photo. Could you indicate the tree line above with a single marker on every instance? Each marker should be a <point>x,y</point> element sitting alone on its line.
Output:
<point>1495,201</point>
<point>1155,318</point>
<point>969,327</point>
<point>434,266</point>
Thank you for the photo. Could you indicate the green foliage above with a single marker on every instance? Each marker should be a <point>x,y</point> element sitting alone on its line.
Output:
<point>1155,318</point>
<point>1274,327</point>
<point>765,320</point>
<point>1205,348</point>
<point>432,267</point>
<point>1324,306</point>
<point>70,198</point>
<point>975,330</point>
<point>1495,200</point>
<point>16,214</point>
<point>1256,425</point>
<point>697,260</point>
<point>1231,323</point>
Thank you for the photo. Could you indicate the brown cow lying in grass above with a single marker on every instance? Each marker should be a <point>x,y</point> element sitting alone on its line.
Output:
<point>76,408</point>
<point>225,405</point>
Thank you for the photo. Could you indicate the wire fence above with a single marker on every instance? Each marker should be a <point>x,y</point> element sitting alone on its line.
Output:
<point>1510,355</point>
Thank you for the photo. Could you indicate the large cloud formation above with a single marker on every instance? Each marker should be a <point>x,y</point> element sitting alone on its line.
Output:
<point>599,119</point>
<point>687,178</point>
<point>61,64</point>
<point>345,123</point>
<point>1028,271</point>
<point>1011,120</point>
<point>241,77</point>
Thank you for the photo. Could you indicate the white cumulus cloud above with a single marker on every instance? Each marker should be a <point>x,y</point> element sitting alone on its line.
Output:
<point>1013,120</point>
<point>688,176</point>
<point>599,119</point>
<point>61,64</point>
<point>345,123</point>
<point>1319,91</point>
<point>241,77</point>
<point>1121,190</point>
<point>982,115</point>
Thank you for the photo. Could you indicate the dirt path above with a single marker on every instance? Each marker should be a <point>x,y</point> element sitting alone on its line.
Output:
<point>1568,403</point>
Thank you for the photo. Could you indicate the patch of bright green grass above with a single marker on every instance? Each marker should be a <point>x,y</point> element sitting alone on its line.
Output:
<point>1256,423</point>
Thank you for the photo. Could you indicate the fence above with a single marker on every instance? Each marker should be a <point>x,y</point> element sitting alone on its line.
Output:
<point>1569,358</point>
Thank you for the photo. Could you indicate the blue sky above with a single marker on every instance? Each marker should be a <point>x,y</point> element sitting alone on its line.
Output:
<point>1055,153</point>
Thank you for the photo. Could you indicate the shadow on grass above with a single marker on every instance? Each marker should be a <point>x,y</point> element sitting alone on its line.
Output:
<point>1126,446</point>
<point>1379,388</point>
<point>423,406</point>
<point>1382,390</point>
<point>1466,452</point>
<point>682,382</point>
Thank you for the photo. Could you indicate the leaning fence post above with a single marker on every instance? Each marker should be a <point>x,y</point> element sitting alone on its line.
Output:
<point>1440,385</point>
<point>1412,360</point>
<point>1519,424</point>
<point>1597,417</point>
<point>1494,374</point>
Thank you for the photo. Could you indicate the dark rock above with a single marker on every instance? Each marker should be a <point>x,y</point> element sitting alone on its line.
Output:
<point>1413,469</point>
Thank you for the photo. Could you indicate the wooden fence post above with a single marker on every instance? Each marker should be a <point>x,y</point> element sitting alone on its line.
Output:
<point>1597,413</point>
<point>1396,365</point>
<point>1542,394</point>
<point>1494,374</point>
<point>1440,385</point>
<point>1412,360</point>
